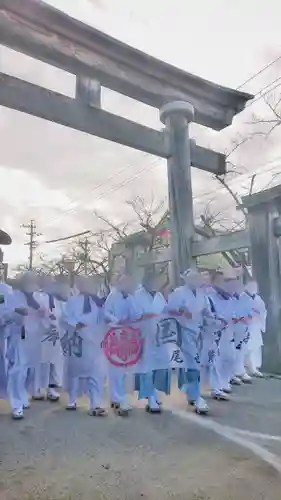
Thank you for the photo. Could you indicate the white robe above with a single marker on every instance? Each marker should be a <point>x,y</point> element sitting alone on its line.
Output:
<point>60,314</point>
<point>83,356</point>
<point>192,328</point>
<point>149,304</point>
<point>212,331</point>
<point>225,310</point>
<point>33,351</point>
<point>148,384</point>
<point>118,309</point>
<point>256,328</point>
<point>225,359</point>
<point>258,323</point>
<point>6,317</point>
<point>58,329</point>
<point>242,310</point>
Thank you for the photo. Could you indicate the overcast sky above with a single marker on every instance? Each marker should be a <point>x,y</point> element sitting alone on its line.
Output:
<point>59,176</point>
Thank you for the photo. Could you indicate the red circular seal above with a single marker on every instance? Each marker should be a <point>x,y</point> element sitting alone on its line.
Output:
<point>123,346</point>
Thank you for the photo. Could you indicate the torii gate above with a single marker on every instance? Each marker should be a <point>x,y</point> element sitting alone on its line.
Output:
<point>42,32</point>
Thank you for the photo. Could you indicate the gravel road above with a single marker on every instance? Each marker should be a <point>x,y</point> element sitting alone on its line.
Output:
<point>54,454</point>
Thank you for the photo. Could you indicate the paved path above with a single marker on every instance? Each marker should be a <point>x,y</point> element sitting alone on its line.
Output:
<point>253,415</point>
<point>53,454</point>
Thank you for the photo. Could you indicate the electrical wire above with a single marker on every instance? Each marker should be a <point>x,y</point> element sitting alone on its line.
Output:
<point>252,77</point>
<point>258,73</point>
<point>114,189</point>
<point>67,237</point>
<point>265,93</point>
<point>71,209</point>
<point>130,179</point>
<point>199,197</point>
<point>111,190</point>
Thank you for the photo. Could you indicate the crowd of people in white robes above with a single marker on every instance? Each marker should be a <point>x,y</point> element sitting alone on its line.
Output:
<point>222,320</point>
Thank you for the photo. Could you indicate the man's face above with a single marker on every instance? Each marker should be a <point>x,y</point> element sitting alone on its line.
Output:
<point>63,289</point>
<point>152,284</point>
<point>219,281</point>
<point>30,283</point>
<point>195,281</point>
<point>47,283</point>
<point>206,280</point>
<point>126,284</point>
<point>84,284</point>
<point>252,287</point>
<point>231,286</point>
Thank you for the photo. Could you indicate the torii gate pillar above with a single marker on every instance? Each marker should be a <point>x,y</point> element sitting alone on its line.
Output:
<point>264,210</point>
<point>176,116</point>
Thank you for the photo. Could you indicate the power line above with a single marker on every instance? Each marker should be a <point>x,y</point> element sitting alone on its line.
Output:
<point>198,197</point>
<point>68,237</point>
<point>115,188</point>
<point>246,177</point>
<point>71,209</point>
<point>268,85</point>
<point>258,72</point>
<point>129,180</point>
<point>201,195</point>
<point>32,243</point>
<point>265,93</point>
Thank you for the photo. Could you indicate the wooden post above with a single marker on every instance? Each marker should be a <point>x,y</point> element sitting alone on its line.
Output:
<point>88,91</point>
<point>176,116</point>
<point>263,213</point>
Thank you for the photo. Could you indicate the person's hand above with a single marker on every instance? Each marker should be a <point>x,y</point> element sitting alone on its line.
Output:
<point>148,315</point>
<point>185,312</point>
<point>22,311</point>
<point>223,321</point>
<point>80,325</point>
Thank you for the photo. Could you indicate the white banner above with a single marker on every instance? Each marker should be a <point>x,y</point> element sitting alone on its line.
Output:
<point>152,344</point>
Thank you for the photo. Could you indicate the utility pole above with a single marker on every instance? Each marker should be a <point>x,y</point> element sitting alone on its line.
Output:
<point>32,243</point>
<point>87,252</point>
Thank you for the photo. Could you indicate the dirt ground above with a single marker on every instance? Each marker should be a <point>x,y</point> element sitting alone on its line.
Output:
<point>54,454</point>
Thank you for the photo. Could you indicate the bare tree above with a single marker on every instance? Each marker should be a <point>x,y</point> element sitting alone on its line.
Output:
<point>215,223</point>
<point>91,254</point>
<point>272,119</point>
<point>144,230</point>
